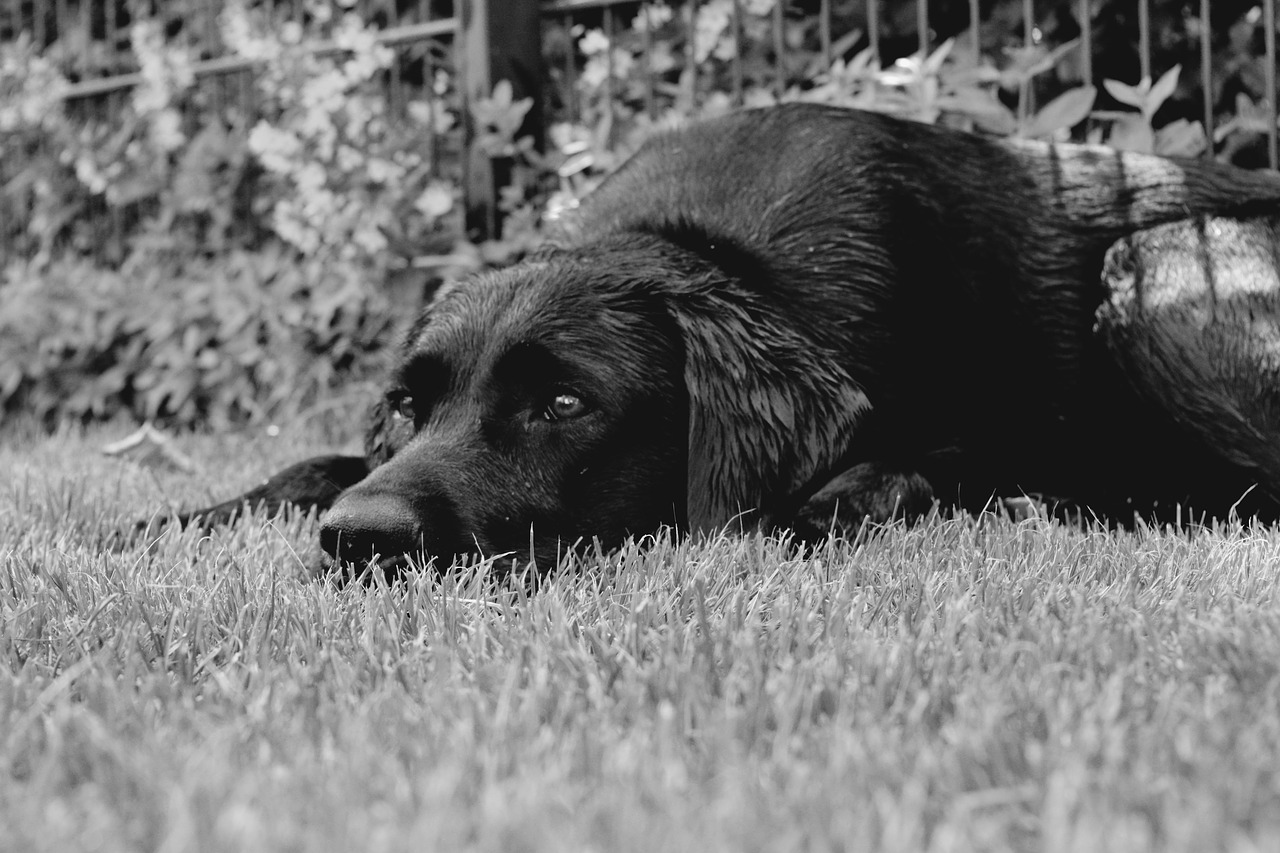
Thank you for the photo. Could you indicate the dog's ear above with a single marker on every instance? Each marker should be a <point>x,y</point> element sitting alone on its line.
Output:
<point>769,410</point>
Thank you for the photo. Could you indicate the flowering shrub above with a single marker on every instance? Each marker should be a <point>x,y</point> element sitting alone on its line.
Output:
<point>241,335</point>
<point>252,245</point>
<point>250,335</point>
<point>641,78</point>
<point>165,189</point>
<point>342,176</point>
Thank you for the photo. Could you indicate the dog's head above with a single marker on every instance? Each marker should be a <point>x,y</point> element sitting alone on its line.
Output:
<point>583,397</point>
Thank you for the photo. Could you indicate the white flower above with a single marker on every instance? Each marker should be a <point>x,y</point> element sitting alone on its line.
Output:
<point>433,114</point>
<point>382,171</point>
<point>324,92</point>
<point>651,16</point>
<point>594,73</point>
<point>166,130</point>
<point>320,11</point>
<point>595,41</point>
<point>661,60</point>
<point>276,149</point>
<point>369,238</point>
<point>292,229</point>
<point>87,173</point>
<point>436,200</point>
<point>711,22</point>
<point>309,179</point>
<point>598,69</point>
<point>240,34</point>
<point>369,56</point>
<point>348,158</point>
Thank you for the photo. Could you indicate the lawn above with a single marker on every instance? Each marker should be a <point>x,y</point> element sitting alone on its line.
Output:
<point>962,685</point>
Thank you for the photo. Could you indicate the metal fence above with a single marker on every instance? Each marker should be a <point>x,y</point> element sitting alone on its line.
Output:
<point>833,40</point>
<point>482,41</point>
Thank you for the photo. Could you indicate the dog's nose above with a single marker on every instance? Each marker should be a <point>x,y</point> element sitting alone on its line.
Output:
<point>361,527</point>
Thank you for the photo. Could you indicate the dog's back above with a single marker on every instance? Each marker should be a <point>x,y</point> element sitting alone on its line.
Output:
<point>956,276</point>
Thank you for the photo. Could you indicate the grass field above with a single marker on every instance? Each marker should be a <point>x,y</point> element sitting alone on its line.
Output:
<point>959,686</point>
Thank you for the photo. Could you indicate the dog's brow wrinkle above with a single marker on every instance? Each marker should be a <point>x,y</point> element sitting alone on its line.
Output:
<point>423,370</point>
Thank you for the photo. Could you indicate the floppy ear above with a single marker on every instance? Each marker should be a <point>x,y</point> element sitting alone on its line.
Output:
<point>769,410</point>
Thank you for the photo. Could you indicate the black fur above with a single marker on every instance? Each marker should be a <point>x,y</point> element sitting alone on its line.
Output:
<point>767,304</point>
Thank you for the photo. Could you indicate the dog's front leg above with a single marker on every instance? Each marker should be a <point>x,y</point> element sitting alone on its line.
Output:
<point>311,484</point>
<point>869,492</point>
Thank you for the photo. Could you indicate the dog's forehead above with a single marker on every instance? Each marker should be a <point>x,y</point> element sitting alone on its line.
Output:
<point>531,301</point>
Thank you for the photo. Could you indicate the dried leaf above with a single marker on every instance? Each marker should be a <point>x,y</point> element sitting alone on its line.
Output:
<point>150,448</point>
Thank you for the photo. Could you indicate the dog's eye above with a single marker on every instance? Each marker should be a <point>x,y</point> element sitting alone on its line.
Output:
<point>402,406</point>
<point>565,406</point>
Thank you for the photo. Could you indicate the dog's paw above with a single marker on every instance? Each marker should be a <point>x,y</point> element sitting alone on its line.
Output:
<point>869,492</point>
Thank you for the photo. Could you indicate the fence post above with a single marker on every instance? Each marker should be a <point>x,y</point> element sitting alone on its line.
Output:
<point>500,40</point>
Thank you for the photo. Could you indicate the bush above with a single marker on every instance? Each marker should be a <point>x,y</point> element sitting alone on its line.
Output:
<point>250,336</point>
<point>246,254</point>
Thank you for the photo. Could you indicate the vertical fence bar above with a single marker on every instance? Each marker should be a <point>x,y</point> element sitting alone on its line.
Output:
<point>736,64</point>
<point>691,53</point>
<point>1027,91</point>
<point>216,86</point>
<point>975,32</point>
<point>571,70</point>
<point>1269,78</point>
<point>608,65</point>
<point>922,26</point>
<point>1206,76</point>
<point>86,22</point>
<point>38,23</point>
<point>500,40</point>
<point>1085,12</point>
<point>397,99</point>
<point>113,33</point>
<point>429,92</point>
<point>60,20</point>
<point>779,51</point>
<point>824,29</point>
<point>1144,38</point>
<point>650,99</point>
<point>873,27</point>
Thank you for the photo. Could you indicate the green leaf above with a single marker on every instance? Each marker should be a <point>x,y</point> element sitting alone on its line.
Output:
<point>1181,138</point>
<point>1134,96</point>
<point>1132,133</point>
<point>1067,110</point>
<point>1160,92</point>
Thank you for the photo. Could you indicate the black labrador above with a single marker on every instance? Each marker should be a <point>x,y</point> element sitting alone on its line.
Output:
<point>796,317</point>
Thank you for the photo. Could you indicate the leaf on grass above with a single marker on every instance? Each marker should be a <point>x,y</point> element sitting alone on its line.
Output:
<point>150,448</point>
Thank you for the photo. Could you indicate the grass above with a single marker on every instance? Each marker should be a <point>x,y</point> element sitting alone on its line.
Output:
<point>963,685</point>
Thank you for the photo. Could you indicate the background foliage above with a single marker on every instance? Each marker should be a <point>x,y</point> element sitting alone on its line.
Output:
<point>180,258</point>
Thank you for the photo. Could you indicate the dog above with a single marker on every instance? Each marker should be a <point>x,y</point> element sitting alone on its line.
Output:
<point>798,317</point>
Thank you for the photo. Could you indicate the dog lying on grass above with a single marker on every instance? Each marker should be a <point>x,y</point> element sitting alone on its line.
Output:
<point>795,317</point>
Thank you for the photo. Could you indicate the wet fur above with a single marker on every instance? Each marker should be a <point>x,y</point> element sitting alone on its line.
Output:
<point>786,317</point>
